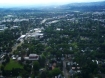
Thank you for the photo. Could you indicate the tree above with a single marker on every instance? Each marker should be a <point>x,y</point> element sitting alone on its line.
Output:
<point>24,74</point>
<point>27,67</point>
<point>56,72</point>
<point>7,59</point>
<point>42,60</point>
<point>43,74</point>
<point>2,68</point>
<point>15,71</point>
<point>50,74</point>
<point>36,66</point>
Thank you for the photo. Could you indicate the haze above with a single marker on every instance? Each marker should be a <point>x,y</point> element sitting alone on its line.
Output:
<point>12,3</point>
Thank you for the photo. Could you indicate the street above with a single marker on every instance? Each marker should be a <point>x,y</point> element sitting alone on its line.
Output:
<point>16,45</point>
<point>65,72</point>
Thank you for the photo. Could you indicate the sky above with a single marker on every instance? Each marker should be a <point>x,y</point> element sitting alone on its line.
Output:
<point>4,3</point>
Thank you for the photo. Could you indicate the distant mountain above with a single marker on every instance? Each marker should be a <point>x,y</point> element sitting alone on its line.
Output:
<point>20,10</point>
<point>89,6</point>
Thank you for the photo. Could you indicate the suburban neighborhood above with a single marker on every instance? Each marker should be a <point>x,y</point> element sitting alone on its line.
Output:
<point>52,44</point>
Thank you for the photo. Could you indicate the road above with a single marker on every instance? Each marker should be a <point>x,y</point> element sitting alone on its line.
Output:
<point>43,21</point>
<point>65,72</point>
<point>17,45</point>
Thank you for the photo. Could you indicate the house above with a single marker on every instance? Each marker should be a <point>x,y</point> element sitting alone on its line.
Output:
<point>76,68</point>
<point>73,68</point>
<point>21,20</point>
<point>26,58</point>
<point>72,72</point>
<point>3,27</point>
<point>2,56</point>
<point>58,29</point>
<point>53,65</point>
<point>35,35</point>
<point>16,20</point>
<point>33,57</point>
<point>19,58</point>
<point>14,27</point>
<point>14,58</point>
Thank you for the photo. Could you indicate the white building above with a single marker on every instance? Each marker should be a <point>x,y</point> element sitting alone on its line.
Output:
<point>22,36</point>
<point>33,57</point>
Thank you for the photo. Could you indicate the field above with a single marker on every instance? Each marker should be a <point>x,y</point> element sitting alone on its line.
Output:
<point>13,64</point>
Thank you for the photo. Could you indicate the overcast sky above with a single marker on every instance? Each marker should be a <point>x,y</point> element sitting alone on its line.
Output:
<point>39,2</point>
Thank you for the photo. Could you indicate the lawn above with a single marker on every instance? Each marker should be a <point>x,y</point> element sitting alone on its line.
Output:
<point>13,64</point>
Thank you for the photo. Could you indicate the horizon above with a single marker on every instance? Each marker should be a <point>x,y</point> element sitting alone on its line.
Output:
<point>26,3</point>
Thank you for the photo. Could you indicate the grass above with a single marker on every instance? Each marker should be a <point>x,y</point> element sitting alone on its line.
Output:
<point>12,64</point>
